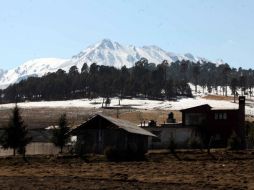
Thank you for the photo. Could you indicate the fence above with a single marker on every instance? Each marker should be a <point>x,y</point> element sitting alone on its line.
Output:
<point>35,148</point>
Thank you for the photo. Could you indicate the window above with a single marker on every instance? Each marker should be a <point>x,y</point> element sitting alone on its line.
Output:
<point>220,116</point>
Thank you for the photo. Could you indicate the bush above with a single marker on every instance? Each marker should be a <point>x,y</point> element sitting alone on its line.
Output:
<point>234,142</point>
<point>111,154</point>
<point>194,143</point>
<point>79,149</point>
<point>172,145</point>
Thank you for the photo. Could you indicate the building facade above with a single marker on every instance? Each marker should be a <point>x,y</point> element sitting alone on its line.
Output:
<point>101,132</point>
<point>219,124</point>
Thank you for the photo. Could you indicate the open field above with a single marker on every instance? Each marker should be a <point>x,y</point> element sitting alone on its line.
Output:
<point>43,117</point>
<point>217,97</point>
<point>190,170</point>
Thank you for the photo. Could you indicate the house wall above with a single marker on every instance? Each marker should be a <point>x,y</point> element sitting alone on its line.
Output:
<point>220,123</point>
<point>195,119</point>
<point>181,136</point>
<point>97,140</point>
<point>192,113</point>
<point>224,121</point>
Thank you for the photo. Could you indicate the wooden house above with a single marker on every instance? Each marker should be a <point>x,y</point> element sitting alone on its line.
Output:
<point>219,123</point>
<point>101,131</point>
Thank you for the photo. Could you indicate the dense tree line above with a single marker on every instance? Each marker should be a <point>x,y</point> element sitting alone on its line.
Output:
<point>144,79</point>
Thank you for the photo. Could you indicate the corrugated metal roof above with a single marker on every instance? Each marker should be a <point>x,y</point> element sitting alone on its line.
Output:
<point>125,125</point>
<point>128,126</point>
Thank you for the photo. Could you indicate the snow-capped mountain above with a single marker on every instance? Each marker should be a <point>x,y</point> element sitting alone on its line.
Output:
<point>1,72</point>
<point>111,53</point>
<point>104,52</point>
<point>37,67</point>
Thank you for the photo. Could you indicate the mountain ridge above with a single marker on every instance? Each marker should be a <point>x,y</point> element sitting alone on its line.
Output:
<point>2,72</point>
<point>104,52</point>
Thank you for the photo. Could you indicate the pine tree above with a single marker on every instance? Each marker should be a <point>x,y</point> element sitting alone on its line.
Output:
<point>85,68</point>
<point>61,134</point>
<point>108,101</point>
<point>15,135</point>
<point>196,73</point>
<point>233,86</point>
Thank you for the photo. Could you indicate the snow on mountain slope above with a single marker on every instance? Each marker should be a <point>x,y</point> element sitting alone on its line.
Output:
<point>36,67</point>
<point>114,54</point>
<point>104,52</point>
<point>2,72</point>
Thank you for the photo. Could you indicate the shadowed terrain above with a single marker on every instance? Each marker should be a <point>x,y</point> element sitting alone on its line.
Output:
<point>194,170</point>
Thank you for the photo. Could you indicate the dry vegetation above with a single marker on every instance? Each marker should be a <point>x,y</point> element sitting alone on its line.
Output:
<point>189,170</point>
<point>43,117</point>
<point>219,97</point>
<point>194,170</point>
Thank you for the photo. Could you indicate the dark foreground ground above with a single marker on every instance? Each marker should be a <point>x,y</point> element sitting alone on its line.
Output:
<point>187,170</point>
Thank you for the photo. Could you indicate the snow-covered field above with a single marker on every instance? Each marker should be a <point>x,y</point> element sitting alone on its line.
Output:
<point>136,103</point>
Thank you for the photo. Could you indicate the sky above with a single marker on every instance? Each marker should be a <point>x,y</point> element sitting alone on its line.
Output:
<point>214,29</point>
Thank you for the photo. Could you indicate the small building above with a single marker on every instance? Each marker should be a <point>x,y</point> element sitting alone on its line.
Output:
<point>101,131</point>
<point>166,132</point>
<point>219,123</point>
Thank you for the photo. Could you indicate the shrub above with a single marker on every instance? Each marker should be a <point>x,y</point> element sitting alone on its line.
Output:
<point>194,143</point>
<point>234,142</point>
<point>111,154</point>
<point>79,148</point>
<point>172,145</point>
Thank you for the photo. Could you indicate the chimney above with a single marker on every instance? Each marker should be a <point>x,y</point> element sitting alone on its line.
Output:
<point>242,105</point>
<point>241,117</point>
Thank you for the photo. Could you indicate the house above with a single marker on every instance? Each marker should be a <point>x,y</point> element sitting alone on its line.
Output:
<point>101,131</point>
<point>166,131</point>
<point>219,123</point>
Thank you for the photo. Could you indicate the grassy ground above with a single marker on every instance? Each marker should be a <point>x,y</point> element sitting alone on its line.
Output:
<point>187,170</point>
<point>219,97</point>
<point>43,117</point>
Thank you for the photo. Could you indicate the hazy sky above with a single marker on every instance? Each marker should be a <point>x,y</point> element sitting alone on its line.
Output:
<point>214,29</point>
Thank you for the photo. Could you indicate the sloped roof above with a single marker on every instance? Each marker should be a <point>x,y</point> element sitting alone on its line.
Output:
<point>122,124</point>
<point>197,107</point>
<point>223,109</point>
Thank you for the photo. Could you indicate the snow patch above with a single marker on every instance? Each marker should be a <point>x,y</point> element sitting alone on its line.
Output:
<point>135,103</point>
